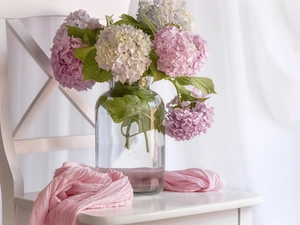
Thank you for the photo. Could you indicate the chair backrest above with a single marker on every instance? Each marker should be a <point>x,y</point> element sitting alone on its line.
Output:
<point>13,140</point>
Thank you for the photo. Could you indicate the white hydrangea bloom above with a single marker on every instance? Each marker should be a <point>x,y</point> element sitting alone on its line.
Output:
<point>164,13</point>
<point>124,51</point>
<point>146,9</point>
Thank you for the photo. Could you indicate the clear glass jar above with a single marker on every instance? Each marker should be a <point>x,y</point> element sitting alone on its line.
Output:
<point>130,135</point>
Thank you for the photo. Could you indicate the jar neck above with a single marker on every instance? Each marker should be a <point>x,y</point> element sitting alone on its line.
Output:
<point>142,83</point>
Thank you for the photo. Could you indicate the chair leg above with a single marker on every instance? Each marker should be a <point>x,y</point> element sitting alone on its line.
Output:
<point>8,210</point>
<point>22,216</point>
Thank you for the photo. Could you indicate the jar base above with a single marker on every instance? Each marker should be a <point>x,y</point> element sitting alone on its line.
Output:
<point>144,180</point>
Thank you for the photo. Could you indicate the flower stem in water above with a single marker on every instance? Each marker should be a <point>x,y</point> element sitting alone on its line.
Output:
<point>127,136</point>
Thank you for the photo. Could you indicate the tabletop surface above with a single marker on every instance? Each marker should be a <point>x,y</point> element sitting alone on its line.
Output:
<point>170,205</point>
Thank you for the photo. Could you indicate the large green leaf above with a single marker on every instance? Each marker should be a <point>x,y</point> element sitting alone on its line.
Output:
<point>125,89</point>
<point>91,69</point>
<point>131,102</point>
<point>184,93</point>
<point>157,74</point>
<point>128,106</point>
<point>181,88</point>
<point>204,84</point>
<point>88,36</point>
<point>149,24</point>
<point>75,32</point>
<point>185,97</point>
<point>159,117</point>
<point>81,53</point>
<point>129,20</point>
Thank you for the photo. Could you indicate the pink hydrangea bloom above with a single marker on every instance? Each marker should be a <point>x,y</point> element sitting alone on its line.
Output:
<point>202,47</point>
<point>179,52</point>
<point>187,122</point>
<point>67,69</point>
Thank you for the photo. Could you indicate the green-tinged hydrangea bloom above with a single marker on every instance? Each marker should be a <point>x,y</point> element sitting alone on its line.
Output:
<point>167,12</point>
<point>124,50</point>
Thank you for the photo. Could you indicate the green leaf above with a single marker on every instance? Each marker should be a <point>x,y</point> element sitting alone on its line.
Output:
<point>81,53</point>
<point>149,24</point>
<point>190,98</point>
<point>180,88</point>
<point>128,106</point>
<point>140,99</point>
<point>129,19</point>
<point>144,122</point>
<point>202,83</point>
<point>120,22</point>
<point>126,123</point>
<point>109,20</point>
<point>159,117</point>
<point>87,35</point>
<point>75,32</point>
<point>157,74</point>
<point>185,94</point>
<point>90,37</point>
<point>91,69</point>
<point>86,39</point>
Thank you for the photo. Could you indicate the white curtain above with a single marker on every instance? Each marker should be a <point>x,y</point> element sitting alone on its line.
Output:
<point>255,141</point>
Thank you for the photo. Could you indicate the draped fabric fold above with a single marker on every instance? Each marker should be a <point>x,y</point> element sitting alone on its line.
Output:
<point>76,187</point>
<point>193,180</point>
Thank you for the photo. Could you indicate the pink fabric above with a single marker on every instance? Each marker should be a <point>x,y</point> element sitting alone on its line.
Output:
<point>76,187</point>
<point>193,180</point>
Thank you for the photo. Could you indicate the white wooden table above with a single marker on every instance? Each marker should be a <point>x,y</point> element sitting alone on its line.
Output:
<point>170,208</point>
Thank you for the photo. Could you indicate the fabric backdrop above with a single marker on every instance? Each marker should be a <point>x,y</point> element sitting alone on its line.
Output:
<point>255,141</point>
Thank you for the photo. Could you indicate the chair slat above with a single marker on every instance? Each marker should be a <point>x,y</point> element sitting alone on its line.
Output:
<point>35,107</point>
<point>49,144</point>
<point>24,37</point>
<point>80,104</point>
<point>27,41</point>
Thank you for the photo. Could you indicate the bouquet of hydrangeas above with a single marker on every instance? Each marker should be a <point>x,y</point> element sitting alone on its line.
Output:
<point>160,42</point>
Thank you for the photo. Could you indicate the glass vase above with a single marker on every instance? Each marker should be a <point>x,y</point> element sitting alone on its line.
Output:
<point>130,135</point>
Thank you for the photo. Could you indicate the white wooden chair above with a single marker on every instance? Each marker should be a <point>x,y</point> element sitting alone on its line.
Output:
<point>16,205</point>
<point>215,208</point>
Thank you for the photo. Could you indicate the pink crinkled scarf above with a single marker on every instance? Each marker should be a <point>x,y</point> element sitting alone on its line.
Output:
<point>76,187</point>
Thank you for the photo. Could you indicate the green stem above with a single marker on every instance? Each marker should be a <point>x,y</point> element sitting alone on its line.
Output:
<point>127,136</point>
<point>134,134</point>
<point>178,93</point>
<point>122,132</point>
<point>146,139</point>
